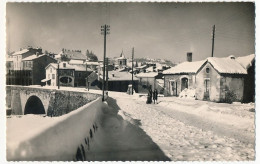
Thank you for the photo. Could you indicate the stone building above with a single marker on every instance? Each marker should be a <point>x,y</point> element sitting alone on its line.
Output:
<point>214,79</point>
<point>69,75</point>
<point>182,76</point>
<point>31,68</point>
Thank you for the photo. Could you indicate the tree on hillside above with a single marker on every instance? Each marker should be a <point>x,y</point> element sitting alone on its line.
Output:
<point>91,56</point>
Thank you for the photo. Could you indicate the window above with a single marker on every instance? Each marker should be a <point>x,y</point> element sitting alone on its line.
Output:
<point>53,76</point>
<point>207,70</point>
<point>49,76</point>
<point>50,70</point>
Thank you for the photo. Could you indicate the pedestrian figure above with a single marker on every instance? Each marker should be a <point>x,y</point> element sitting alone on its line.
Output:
<point>155,96</point>
<point>149,97</point>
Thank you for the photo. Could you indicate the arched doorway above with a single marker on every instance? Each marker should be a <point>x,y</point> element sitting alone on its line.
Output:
<point>34,106</point>
<point>184,83</point>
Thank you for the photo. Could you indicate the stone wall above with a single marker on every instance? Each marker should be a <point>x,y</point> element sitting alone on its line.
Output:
<point>63,102</point>
<point>55,102</point>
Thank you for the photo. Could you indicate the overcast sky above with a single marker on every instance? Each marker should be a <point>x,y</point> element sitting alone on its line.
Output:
<point>155,30</point>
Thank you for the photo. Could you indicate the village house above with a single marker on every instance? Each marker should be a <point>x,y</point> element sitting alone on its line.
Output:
<point>31,68</point>
<point>182,76</point>
<point>92,65</point>
<point>147,80</point>
<point>214,79</point>
<point>119,81</point>
<point>69,75</point>
<point>67,55</point>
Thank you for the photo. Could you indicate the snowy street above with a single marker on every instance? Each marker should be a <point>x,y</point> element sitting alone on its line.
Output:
<point>204,131</point>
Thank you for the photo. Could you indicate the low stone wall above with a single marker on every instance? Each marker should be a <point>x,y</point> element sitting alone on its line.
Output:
<point>63,102</point>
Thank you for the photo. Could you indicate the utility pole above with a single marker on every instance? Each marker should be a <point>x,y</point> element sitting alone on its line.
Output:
<point>213,37</point>
<point>87,76</point>
<point>58,75</point>
<point>107,73</point>
<point>104,31</point>
<point>133,71</point>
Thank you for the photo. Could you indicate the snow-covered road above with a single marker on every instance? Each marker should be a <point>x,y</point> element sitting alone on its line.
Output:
<point>189,136</point>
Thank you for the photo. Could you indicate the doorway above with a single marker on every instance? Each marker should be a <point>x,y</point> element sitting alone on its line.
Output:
<point>184,83</point>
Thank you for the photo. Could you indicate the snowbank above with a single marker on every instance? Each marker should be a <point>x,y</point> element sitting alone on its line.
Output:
<point>188,93</point>
<point>58,140</point>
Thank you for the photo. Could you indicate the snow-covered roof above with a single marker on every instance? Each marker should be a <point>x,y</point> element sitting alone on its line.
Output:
<point>149,69</point>
<point>246,61</point>
<point>76,62</point>
<point>185,67</point>
<point>69,66</point>
<point>93,63</point>
<point>141,67</point>
<point>76,55</point>
<point>122,57</point>
<point>32,57</point>
<point>20,52</point>
<point>227,65</point>
<point>149,74</point>
<point>119,76</point>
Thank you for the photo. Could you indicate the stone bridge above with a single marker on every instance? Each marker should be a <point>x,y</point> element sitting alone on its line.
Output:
<point>40,100</point>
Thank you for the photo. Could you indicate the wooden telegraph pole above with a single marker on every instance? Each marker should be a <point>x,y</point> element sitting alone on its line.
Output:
<point>213,37</point>
<point>104,31</point>
<point>107,74</point>
<point>58,71</point>
<point>133,70</point>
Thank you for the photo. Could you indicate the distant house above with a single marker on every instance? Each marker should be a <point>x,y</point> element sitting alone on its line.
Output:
<point>67,55</point>
<point>92,65</point>
<point>119,81</point>
<point>23,53</point>
<point>147,80</point>
<point>141,68</point>
<point>32,69</point>
<point>69,75</point>
<point>215,79</point>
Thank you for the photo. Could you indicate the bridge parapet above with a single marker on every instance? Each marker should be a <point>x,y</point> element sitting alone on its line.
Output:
<point>55,102</point>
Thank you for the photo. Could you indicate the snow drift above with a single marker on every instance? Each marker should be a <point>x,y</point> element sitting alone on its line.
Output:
<point>188,93</point>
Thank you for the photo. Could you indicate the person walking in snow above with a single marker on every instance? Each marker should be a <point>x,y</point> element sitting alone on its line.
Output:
<point>149,97</point>
<point>155,96</point>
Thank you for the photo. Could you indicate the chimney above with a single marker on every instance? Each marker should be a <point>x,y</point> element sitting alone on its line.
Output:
<point>189,57</point>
